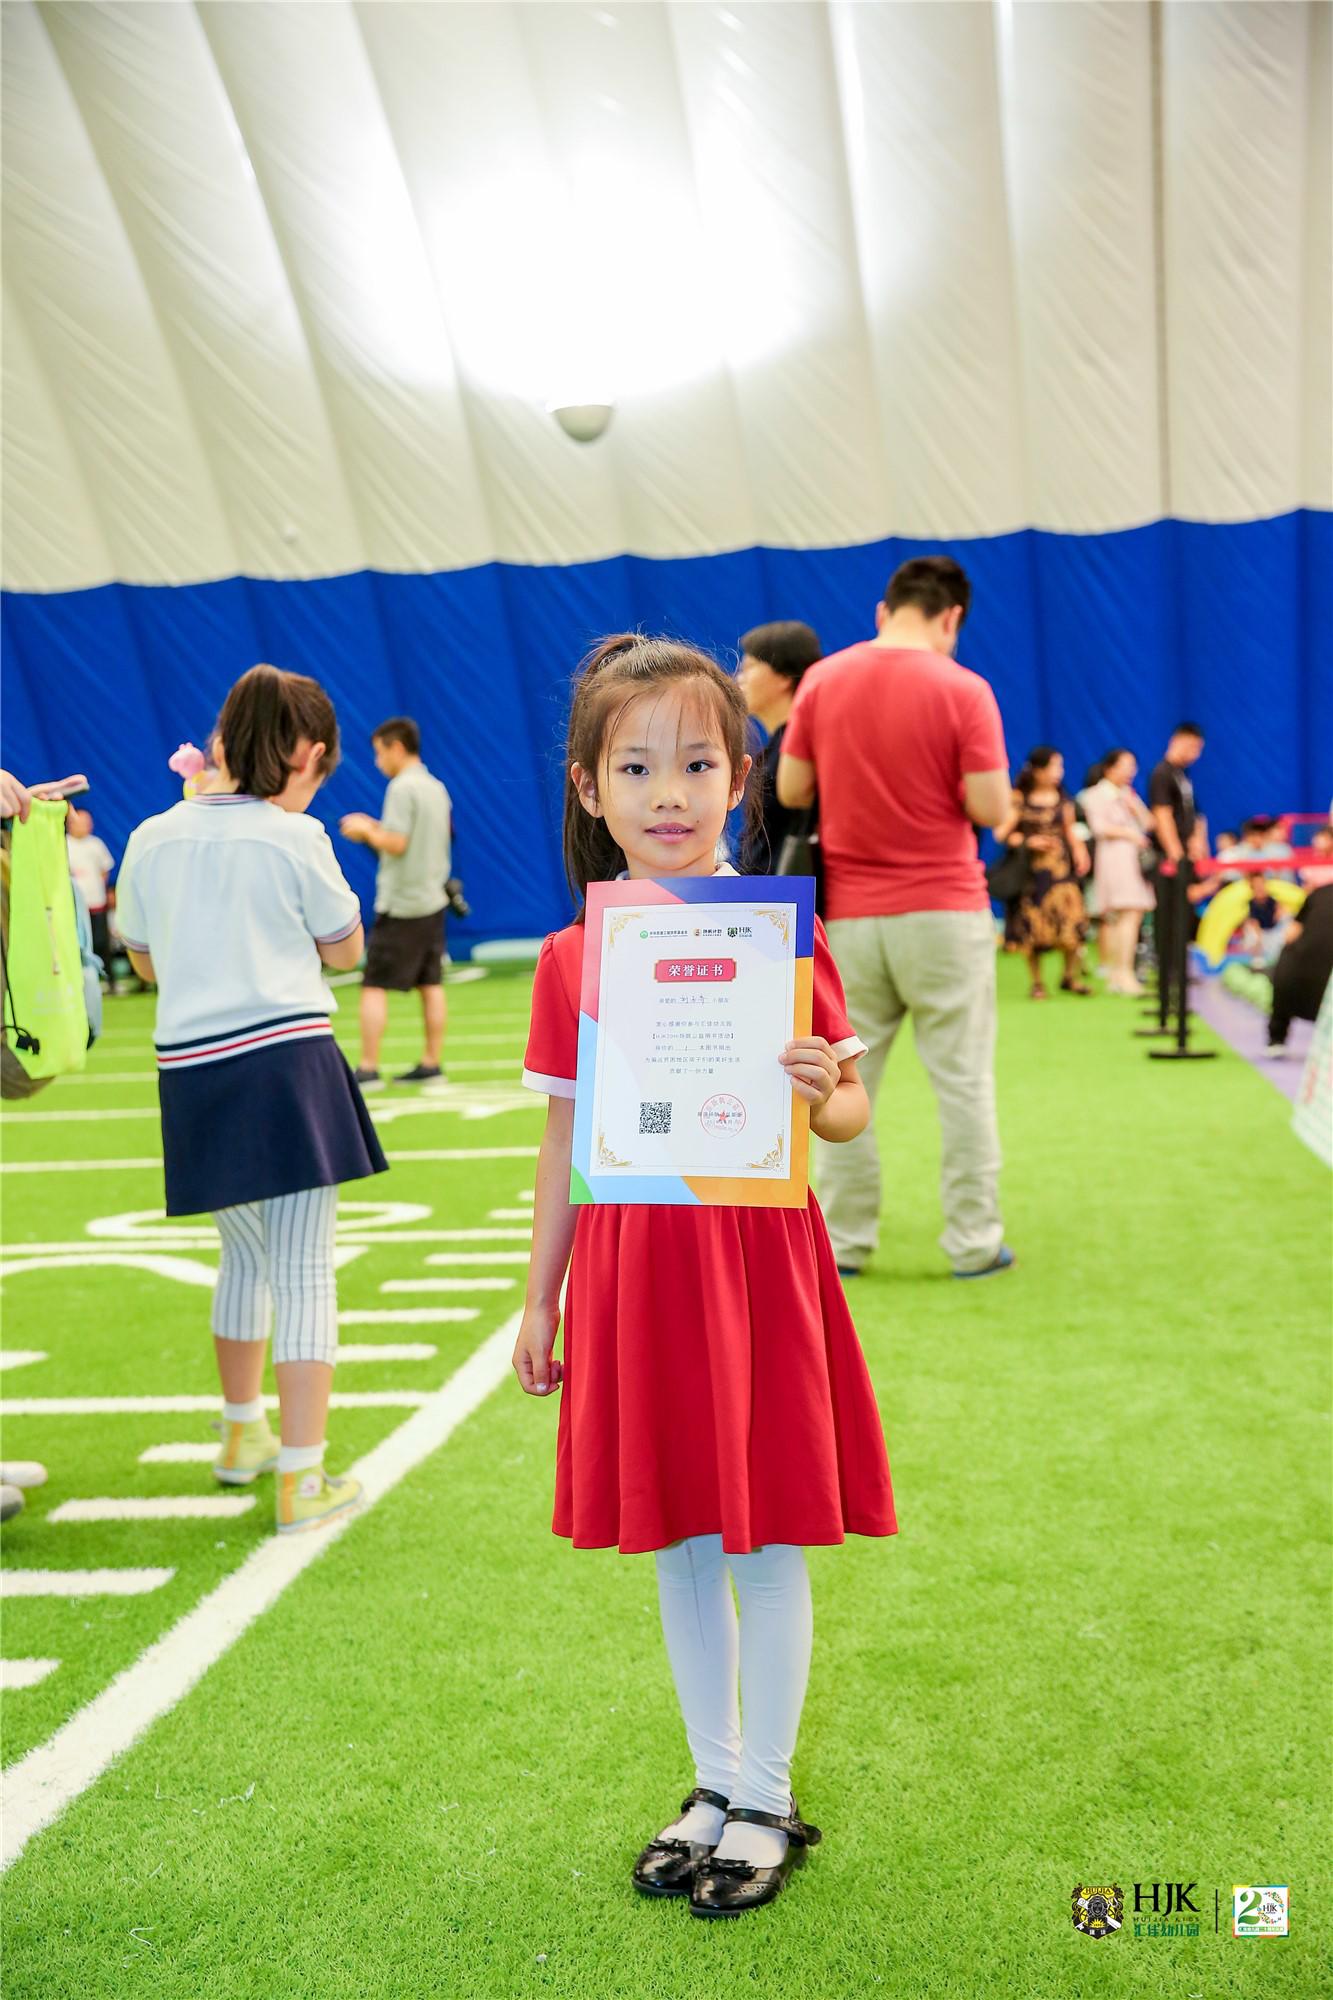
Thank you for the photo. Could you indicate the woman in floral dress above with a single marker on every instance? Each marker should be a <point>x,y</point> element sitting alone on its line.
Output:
<point>1051,914</point>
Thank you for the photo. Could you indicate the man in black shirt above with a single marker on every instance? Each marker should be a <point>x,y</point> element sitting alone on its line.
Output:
<point>1304,968</point>
<point>773,659</point>
<point>1180,835</point>
<point>1178,829</point>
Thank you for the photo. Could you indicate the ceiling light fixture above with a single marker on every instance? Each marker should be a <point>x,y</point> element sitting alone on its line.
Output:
<point>584,422</point>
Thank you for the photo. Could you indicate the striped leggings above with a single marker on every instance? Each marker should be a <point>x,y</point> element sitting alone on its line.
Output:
<point>279,1254</point>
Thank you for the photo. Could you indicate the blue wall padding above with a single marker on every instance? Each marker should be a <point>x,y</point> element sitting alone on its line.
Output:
<point>1088,640</point>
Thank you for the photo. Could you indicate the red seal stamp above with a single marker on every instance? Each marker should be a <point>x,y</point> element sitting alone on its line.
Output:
<point>723,1113</point>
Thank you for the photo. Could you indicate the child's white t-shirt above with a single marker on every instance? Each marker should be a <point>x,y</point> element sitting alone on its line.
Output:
<point>90,862</point>
<point>230,896</point>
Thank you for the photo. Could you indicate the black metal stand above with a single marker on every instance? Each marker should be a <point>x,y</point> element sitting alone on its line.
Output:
<point>1173,971</point>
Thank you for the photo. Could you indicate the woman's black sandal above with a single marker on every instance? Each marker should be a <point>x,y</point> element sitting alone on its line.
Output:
<point>730,1888</point>
<point>666,1866</point>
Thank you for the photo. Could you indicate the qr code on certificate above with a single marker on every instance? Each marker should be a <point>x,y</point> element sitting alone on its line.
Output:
<point>655,1118</point>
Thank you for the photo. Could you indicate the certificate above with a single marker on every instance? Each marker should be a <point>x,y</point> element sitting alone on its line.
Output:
<point>691,990</point>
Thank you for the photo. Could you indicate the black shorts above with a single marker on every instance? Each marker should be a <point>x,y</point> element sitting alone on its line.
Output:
<point>405,952</point>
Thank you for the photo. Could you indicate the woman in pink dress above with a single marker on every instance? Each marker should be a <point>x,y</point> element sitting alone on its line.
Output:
<point>1119,822</point>
<point>715,1406</point>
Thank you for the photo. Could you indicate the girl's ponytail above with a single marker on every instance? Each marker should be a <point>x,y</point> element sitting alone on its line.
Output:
<point>265,716</point>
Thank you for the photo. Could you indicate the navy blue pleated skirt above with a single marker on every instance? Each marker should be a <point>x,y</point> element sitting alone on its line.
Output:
<point>273,1121</point>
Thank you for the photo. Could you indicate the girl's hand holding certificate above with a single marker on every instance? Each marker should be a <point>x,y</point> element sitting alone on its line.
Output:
<point>813,1068</point>
<point>839,1107</point>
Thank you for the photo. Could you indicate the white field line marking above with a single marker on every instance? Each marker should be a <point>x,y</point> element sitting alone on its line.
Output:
<point>107,1076</point>
<point>100,1117</point>
<point>169,1507</point>
<point>510,1063</point>
<point>466,1153</point>
<point>509,1215</point>
<point>42,1784</point>
<point>466,1038</point>
<point>25,1673</point>
<point>181,1406</point>
<point>517,1031</point>
<point>515,1023</point>
<point>107,1114</point>
<point>154,1165</point>
<point>20,1357</point>
<point>464,1235</point>
<point>354,1219</point>
<point>409,1316</point>
<point>150,1076</point>
<point>478,1257</point>
<point>448,1284</point>
<point>395,1049</point>
<point>82,1582</point>
<point>387,1350</point>
<point>98,1246</point>
<point>178,1454</point>
<point>125,1045</point>
<point>526,1194</point>
<point>473,1101</point>
<point>139,1240</point>
<point>186,1270</point>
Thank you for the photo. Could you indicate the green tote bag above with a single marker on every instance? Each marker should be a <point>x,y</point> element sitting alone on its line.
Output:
<point>44,1002</point>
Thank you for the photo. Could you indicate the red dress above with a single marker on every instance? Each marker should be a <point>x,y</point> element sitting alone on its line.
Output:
<point>713,1379</point>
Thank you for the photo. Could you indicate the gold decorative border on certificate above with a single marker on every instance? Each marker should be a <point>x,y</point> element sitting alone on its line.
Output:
<point>617,925</point>
<point>780,918</point>
<point>771,1159</point>
<point>605,1157</point>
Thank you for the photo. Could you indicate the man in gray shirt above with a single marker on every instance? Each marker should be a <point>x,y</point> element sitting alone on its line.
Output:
<point>406,948</point>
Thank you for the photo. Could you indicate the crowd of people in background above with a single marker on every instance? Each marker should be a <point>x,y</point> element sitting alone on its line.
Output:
<point>1069,868</point>
<point>878,813</point>
<point>879,769</point>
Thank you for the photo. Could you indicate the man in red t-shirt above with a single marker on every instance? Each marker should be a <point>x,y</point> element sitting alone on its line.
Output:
<point>906,752</point>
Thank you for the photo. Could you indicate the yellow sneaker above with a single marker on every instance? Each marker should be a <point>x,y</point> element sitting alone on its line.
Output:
<point>309,1499</point>
<point>247,1450</point>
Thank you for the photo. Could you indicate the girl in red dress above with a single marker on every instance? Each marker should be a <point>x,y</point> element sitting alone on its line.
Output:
<point>716,1407</point>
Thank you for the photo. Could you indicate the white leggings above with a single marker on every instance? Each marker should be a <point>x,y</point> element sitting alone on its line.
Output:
<point>769,1651</point>
<point>279,1253</point>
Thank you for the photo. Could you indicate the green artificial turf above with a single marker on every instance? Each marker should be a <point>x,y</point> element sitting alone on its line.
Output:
<point>1097,1651</point>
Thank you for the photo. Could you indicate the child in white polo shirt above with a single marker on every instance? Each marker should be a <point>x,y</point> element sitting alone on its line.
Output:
<point>233,903</point>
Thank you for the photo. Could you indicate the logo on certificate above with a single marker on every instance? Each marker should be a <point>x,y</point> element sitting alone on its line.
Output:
<point>1259,1912</point>
<point>723,1113</point>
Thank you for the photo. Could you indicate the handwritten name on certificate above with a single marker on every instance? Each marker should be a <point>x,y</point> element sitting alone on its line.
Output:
<point>691,990</point>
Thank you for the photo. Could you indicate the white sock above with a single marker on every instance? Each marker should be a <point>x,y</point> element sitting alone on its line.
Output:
<point>761,1846</point>
<point>699,1626</point>
<point>776,1628</point>
<point>702,1823</point>
<point>299,1457</point>
<point>243,1413</point>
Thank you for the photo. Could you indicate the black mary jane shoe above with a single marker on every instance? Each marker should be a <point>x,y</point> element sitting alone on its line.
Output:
<point>666,1866</point>
<point>730,1888</point>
